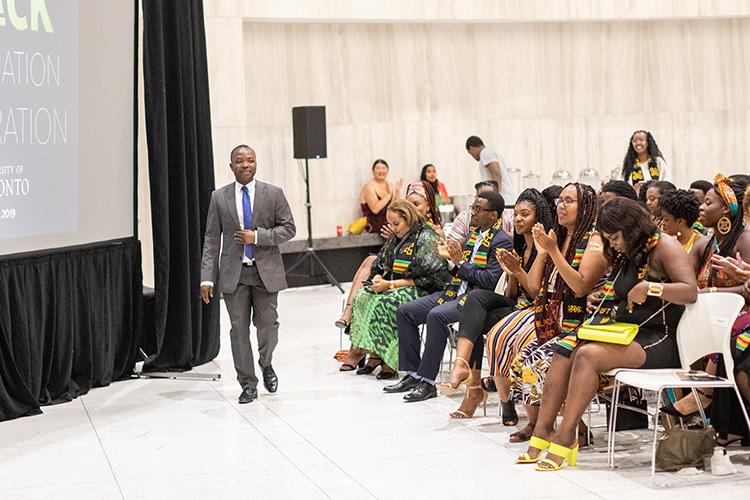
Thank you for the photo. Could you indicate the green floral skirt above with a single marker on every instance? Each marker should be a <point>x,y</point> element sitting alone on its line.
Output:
<point>373,325</point>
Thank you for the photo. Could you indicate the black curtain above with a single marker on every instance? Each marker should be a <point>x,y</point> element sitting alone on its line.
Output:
<point>69,321</point>
<point>178,130</point>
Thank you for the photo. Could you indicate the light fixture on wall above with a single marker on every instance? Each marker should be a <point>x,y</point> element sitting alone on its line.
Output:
<point>561,177</point>
<point>591,177</point>
<point>531,180</point>
<point>616,173</point>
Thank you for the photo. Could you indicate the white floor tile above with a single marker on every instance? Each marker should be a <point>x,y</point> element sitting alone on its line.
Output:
<point>325,434</point>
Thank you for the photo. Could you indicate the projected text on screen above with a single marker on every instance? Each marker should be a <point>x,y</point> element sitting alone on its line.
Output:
<point>38,117</point>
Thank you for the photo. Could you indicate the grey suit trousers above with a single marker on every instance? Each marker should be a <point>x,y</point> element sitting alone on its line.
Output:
<point>251,300</point>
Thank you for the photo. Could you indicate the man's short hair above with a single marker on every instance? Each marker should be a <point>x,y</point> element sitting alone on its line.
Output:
<point>495,200</point>
<point>620,188</point>
<point>241,146</point>
<point>474,142</point>
<point>492,184</point>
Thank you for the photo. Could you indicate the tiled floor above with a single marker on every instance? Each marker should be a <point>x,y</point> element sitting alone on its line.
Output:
<point>325,434</point>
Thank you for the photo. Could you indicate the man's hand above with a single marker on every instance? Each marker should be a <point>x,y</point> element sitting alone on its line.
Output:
<point>244,237</point>
<point>442,249</point>
<point>207,293</point>
<point>454,249</point>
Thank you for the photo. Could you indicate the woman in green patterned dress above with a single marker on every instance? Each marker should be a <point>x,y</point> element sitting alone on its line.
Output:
<point>407,267</point>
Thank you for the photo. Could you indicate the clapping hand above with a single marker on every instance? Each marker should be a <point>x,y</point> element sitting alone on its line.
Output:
<point>544,241</point>
<point>730,266</point>
<point>509,261</point>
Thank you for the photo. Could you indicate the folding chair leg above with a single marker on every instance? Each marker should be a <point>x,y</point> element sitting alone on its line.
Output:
<point>656,434</point>
<point>612,421</point>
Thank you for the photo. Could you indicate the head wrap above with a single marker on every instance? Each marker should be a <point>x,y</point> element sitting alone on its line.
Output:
<point>726,192</point>
<point>416,187</point>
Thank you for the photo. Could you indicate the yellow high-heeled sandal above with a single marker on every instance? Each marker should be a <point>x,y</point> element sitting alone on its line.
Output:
<point>568,454</point>
<point>448,389</point>
<point>459,414</point>
<point>534,442</point>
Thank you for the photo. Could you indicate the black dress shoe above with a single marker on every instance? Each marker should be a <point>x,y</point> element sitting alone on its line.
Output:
<point>385,375</point>
<point>422,392</point>
<point>405,384</point>
<point>270,380</point>
<point>248,395</point>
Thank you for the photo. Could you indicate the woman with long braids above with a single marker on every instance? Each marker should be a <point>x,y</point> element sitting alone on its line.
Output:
<point>650,279</point>
<point>643,161</point>
<point>721,212</point>
<point>568,266</point>
<point>484,308</point>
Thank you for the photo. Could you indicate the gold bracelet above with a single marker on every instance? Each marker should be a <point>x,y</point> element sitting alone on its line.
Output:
<point>655,289</point>
<point>712,289</point>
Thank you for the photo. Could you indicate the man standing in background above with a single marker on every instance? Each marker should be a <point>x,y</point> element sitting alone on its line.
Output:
<point>492,167</point>
<point>247,221</point>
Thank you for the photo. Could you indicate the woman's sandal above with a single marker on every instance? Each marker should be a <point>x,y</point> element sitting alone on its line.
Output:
<point>348,367</point>
<point>460,414</point>
<point>534,442</point>
<point>369,367</point>
<point>509,415</point>
<point>448,389</point>
<point>341,322</point>
<point>570,454</point>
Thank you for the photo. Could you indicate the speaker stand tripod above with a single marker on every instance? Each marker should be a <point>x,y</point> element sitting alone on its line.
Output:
<point>309,255</point>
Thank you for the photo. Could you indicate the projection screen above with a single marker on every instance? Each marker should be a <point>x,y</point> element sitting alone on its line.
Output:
<point>66,123</point>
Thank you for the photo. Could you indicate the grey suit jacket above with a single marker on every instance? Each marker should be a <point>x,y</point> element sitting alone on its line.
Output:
<point>273,224</point>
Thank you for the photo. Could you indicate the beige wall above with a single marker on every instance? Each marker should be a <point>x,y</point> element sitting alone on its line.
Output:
<point>546,95</point>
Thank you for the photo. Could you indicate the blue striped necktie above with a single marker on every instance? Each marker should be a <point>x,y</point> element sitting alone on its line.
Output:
<point>247,220</point>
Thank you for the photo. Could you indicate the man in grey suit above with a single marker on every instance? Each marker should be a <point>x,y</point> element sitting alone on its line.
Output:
<point>247,221</point>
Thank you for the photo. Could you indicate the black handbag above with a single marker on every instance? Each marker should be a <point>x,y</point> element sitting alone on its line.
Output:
<point>628,419</point>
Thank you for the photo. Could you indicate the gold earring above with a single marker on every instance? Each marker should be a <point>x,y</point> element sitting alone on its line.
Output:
<point>724,225</point>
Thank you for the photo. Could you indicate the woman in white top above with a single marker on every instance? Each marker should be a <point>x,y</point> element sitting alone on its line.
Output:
<point>643,162</point>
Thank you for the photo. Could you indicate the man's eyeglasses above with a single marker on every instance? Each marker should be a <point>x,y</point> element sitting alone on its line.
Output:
<point>477,208</point>
<point>565,201</point>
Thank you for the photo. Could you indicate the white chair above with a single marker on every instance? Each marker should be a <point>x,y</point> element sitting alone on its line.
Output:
<point>705,328</point>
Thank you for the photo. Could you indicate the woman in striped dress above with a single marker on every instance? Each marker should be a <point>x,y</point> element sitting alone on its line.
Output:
<point>569,265</point>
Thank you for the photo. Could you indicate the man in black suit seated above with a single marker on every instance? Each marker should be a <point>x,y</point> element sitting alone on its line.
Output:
<point>472,266</point>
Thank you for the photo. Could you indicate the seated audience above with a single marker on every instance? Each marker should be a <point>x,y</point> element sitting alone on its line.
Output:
<point>429,174</point>
<point>722,214</point>
<point>407,267</point>
<point>569,265</point>
<point>650,279</point>
<point>615,188</point>
<point>376,195</point>
<point>483,308</point>
<point>679,212</point>
<point>643,160</point>
<point>471,268</point>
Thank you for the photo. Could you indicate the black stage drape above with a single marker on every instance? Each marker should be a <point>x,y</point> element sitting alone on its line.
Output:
<point>69,321</point>
<point>181,173</point>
